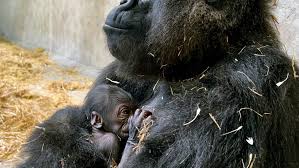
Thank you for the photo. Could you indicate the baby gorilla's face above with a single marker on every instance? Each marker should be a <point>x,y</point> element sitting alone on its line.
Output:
<point>117,120</point>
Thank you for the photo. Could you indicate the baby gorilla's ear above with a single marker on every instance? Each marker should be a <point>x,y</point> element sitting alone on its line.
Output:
<point>96,120</point>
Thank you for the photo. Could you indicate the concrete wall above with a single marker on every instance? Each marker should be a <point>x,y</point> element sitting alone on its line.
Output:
<point>287,13</point>
<point>71,29</point>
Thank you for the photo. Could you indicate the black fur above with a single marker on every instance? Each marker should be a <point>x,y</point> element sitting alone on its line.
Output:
<point>235,42</point>
<point>62,141</point>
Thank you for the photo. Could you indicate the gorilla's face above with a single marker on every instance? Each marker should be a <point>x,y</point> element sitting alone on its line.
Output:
<point>126,28</point>
<point>159,32</point>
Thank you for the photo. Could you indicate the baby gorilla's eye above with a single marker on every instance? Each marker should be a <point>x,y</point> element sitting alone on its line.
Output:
<point>125,110</point>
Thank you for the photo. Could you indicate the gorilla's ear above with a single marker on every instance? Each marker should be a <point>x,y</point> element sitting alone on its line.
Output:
<point>96,120</point>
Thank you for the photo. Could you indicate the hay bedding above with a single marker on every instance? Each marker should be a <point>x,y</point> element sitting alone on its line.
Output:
<point>27,97</point>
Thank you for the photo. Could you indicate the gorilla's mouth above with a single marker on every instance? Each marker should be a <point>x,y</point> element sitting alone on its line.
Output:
<point>108,27</point>
<point>119,18</point>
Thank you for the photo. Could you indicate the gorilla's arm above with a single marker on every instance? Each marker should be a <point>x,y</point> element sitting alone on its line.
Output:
<point>135,124</point>
<point>62,141</point>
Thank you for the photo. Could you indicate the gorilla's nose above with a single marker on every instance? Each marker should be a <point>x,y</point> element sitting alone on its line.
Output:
<point>127,4</point>
<point>114,18</point>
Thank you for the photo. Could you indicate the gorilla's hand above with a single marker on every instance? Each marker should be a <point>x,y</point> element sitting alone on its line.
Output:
<point>135,124</point>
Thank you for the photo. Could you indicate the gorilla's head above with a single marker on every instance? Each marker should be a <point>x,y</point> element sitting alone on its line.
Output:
<point>155,33</point>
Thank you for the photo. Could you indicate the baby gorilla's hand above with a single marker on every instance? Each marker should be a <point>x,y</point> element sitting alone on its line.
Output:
<point>135,124</point>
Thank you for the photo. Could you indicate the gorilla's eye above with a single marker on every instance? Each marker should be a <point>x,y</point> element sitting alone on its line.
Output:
<point>125,111</point>
<point>124,114</point>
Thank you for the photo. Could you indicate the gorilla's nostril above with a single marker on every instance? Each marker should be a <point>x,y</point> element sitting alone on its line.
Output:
<point>127,4</point>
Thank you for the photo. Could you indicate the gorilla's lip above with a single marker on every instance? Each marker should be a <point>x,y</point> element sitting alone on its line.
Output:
<point>113,28</point>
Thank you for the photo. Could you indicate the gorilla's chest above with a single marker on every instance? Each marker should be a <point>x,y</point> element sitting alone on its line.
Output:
<point>172,103</point>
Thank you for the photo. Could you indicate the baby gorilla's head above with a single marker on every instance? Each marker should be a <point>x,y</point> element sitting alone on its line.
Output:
<point>110,108</point>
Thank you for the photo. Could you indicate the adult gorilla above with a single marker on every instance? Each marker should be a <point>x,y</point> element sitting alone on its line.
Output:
<point>226,71</point>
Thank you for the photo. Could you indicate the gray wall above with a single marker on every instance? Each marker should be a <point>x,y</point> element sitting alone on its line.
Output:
<point>287,14</point>
<point>71,29</point>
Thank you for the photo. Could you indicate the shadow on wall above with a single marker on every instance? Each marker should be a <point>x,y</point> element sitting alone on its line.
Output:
<point>70,30</point>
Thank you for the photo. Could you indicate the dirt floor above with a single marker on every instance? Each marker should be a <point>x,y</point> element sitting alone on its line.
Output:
<point>31,88</point>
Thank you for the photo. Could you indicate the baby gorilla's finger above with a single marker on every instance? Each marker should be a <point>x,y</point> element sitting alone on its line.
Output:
<point>137,113</point>
<point>131,123</point>
<point>132,131</point>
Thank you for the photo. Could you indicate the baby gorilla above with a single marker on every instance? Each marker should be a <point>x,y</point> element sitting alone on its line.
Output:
<point>109,108</point>
<point>93,135</point>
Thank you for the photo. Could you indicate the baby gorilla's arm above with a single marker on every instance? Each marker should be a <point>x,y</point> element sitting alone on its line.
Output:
<point>135,124</point>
